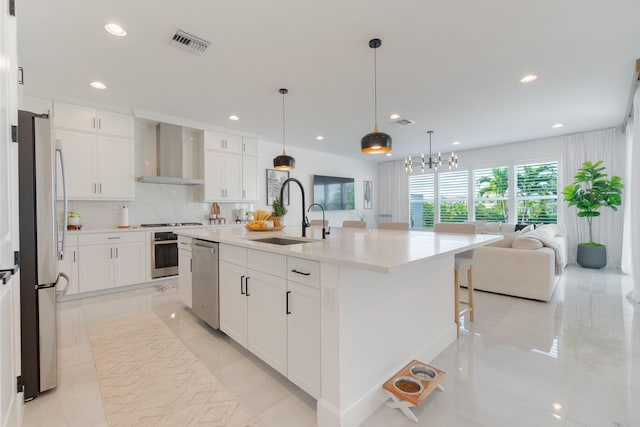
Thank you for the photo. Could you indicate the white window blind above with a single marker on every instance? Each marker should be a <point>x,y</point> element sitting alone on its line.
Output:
<point>453,188</point>
<point>537,193</point>
<point>491,194</point>
<point>421,201</point>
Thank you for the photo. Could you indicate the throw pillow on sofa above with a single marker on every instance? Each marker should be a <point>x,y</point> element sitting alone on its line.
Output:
<point>526,243</point>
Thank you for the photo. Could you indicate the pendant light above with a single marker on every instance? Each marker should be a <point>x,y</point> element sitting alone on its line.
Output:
<point>431,162</point>
<point>283,161</point>
<point>376,142</point>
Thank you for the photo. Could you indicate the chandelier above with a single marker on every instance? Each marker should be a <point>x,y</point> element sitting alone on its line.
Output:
<point>433,162</point>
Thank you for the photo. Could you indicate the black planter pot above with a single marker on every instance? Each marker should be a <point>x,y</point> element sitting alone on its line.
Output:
<point>592,256</point>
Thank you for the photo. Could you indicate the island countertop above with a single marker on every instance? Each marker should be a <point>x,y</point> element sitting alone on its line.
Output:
<point>371,249</point>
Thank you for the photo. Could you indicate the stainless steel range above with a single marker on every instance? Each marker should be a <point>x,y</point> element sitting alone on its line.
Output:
<point>164,249</point>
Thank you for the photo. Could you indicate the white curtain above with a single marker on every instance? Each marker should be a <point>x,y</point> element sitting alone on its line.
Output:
<point>607,228</point>
<point>393,191</point>
<point>631,244</point>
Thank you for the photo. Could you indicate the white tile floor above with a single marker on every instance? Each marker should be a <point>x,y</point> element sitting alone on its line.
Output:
<point>572,362</point>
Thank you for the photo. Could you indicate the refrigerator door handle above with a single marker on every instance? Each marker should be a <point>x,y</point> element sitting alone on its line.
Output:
<point>65,202</point>
<point>63,291</point>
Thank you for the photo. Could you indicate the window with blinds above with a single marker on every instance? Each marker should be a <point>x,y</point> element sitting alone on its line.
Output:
<point>421,201</point>
<point>537,193</point>
<point>453,188</point>
<point>491,194</point>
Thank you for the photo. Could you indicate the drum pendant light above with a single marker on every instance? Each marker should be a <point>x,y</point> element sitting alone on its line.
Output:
<point>376,142</point>
<point>283,161</point>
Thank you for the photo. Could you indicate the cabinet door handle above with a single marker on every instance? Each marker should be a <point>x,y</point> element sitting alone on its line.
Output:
<point>191,264</point>
<point>244,194</point>
<point>100,187</point>
<point>99,123</point>
<point>111,253</point>
<point>94,122</point>
<point>300,272</point>
<point>113,238</point>
<point>241,285</point>
<point>116,252</point>
<point>288,292</point>
<point>246,286</point>
<point>74,256</point>
<point>95,187</point>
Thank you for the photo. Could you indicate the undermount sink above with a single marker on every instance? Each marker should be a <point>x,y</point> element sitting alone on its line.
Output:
<point>281,241</point>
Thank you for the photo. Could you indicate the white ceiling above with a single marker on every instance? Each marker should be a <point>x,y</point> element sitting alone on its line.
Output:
<point>451,66</point>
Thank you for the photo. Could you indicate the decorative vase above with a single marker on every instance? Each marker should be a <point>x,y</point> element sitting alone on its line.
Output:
<point>592,256</point>
<point>277,220</point>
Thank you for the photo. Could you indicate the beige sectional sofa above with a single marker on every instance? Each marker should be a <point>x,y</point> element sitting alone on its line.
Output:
<point>525,264</point>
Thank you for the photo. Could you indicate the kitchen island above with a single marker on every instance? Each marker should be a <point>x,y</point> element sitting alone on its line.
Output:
<point>383,299</point>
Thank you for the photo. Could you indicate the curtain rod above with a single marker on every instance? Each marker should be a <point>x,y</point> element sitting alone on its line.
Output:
<point>634,85</point>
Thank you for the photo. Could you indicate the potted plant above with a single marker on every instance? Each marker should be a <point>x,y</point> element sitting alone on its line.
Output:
<point>277,212</point>
<point>73,220</point>
<point>590,191</point>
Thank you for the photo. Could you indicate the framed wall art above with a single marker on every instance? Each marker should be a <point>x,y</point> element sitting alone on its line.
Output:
<point>275,178</point>
<point>368,195</point>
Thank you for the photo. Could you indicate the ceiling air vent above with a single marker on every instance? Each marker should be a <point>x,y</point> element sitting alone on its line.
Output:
<point>189,42</point>
<point>404,122</point>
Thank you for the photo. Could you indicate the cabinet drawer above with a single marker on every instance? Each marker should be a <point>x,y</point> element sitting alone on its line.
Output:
<point>184,242</point>
<point>71,240</point>
<point>110,238</point>
<point>303,271</point>
<point>233,254</point>
<point>268,262</point>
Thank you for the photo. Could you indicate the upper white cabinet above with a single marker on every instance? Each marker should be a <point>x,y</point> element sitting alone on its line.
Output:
<point>222,142</point>
<point>98,152</point>
<point>96,167</point>
<point>86,119</point>
<point>230,165</point>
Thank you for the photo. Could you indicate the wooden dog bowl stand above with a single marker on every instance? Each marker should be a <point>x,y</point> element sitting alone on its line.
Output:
<point>404,401</point>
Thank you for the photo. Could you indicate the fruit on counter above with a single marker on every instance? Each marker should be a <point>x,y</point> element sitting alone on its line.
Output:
<point>256,225</point>
<point>261,214</point>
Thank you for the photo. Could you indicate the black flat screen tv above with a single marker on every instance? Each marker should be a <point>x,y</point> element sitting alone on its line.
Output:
<point>334,193</point>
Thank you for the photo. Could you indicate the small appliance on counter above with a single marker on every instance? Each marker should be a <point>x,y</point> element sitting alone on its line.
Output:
<point>215,218</point>
<point>124,218</point>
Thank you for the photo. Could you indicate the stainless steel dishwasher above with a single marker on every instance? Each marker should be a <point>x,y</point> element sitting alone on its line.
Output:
<point>205,282</point>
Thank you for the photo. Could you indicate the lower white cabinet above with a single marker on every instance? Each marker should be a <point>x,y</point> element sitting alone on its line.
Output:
<point>267,318</point>
<point>276,318</point>
<point>185,271</point>
<point>69,265</point>
<point>303,337</point>
<point>109,260</point>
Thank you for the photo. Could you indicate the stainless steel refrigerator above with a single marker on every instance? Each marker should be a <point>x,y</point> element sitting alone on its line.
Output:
<point>42,236</point>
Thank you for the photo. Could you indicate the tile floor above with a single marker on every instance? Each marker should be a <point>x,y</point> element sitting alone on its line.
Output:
<point>572,362</point>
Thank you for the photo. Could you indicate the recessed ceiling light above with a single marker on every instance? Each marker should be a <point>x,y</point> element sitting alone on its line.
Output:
<point>528,78</point>
<point>456,143</point>
<point>98,85</point>
<point>234,117</point>
<point>394,116</point>
<point>557,125</point>
<point>320,138</point>
<point>389,154</point>
<point>116,30</point>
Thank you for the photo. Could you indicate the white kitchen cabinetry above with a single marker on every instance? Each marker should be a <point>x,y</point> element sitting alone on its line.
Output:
<point>69,264</point>
<point>109,260</point>
<point>87,119</point>
<point>185,270</point>
<point>96,167</point>
<point>303,324</point>
<point>222,176</point>
<point>230,165</point>
<point>250,169</point>
<point>270,304</point>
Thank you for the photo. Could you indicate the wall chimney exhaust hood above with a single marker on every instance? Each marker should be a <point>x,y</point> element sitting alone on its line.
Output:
<point>171,158</point>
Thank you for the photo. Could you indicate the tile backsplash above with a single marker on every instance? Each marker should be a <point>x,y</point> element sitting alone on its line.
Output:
<point>154,203</point>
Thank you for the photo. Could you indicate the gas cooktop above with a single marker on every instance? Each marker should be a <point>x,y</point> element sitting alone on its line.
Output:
<point>171,224</point>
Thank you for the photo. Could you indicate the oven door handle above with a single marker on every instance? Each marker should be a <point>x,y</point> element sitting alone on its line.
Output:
<point>164,242</point>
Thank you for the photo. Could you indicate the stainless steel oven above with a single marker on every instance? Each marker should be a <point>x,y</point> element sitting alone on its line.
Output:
<point>164,254</point>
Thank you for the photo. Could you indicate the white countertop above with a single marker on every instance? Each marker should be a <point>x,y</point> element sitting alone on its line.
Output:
<point>138,228</point>
<point>370,249</point>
